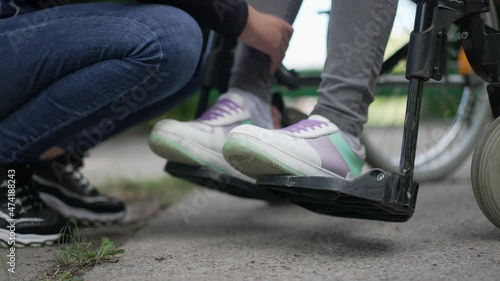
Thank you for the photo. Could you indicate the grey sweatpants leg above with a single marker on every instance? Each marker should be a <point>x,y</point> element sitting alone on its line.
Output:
<point>250,70</point>
<point>358,35</point>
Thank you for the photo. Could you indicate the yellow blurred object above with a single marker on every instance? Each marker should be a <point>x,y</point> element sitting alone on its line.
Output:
<point>464,67</point>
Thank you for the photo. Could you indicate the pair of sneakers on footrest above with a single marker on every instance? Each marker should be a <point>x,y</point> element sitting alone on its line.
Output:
<point>223,139</point>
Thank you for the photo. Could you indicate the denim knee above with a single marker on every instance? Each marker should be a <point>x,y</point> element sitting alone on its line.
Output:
<point>179,41</point>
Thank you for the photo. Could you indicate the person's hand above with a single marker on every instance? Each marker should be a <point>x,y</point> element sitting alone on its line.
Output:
<point>267,34</point>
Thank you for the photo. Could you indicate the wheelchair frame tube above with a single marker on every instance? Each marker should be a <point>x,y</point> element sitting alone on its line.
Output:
<point>423,19</point>
<point>410,133</point>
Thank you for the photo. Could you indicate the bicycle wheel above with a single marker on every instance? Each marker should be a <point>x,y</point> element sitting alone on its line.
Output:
<point>454,113</point>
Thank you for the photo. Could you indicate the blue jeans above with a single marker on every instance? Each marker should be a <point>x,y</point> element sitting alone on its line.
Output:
<point>75,75</point>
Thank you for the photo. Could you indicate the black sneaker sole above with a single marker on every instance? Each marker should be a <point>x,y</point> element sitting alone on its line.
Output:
<point>80,215</point>
<point>28,240</point>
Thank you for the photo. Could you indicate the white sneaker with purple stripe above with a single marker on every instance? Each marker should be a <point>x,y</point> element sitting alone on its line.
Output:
<point>311,147</point>
<point>199,142</point>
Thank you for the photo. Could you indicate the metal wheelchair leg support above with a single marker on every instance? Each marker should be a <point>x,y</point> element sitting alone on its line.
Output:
<point>426,60</point>
<point>379,195</point>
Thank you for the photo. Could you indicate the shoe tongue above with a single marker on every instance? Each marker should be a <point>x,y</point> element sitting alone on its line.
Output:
<point>227,110</point>
<point>319,118</point>
<point>75,160</point>
<point>312,127</point>
<point>29,198</point>
<point>66,173</point>
<point>236,98</point>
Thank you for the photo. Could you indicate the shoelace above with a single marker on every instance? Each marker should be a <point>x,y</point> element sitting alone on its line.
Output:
<point>304,126</point>
<point>34,195</point>
<point>27,198</point>
<point>76,175</point>
<point>222,108</point>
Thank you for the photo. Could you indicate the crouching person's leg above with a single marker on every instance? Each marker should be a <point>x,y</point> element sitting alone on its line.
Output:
<point>82,66</point>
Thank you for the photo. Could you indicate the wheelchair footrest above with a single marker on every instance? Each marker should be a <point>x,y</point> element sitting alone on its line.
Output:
<point>211,179</point>
<point>376,195</point>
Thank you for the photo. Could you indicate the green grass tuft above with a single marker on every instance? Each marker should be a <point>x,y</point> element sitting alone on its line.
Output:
<point>77,255</point>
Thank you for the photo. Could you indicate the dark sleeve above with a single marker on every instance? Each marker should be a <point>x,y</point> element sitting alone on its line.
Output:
<point>227,17</point>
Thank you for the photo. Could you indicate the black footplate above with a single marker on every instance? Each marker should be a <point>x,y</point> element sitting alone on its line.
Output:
<point>208,178</point>
<point>376,195</point>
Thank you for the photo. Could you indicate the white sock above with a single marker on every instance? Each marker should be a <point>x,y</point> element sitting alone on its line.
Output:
<point>258,108</point>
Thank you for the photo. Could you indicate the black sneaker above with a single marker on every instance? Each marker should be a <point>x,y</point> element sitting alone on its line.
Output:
<point>24,219</point>
<point>63,188</point>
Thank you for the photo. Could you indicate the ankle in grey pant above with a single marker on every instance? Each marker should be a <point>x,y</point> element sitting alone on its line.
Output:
<point>358,35</point>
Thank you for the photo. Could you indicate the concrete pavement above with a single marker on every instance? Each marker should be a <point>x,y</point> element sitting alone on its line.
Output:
<point>211,236</point>
<point>125,157</point>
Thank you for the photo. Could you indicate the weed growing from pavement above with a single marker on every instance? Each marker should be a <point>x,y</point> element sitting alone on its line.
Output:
<point>77,255</point>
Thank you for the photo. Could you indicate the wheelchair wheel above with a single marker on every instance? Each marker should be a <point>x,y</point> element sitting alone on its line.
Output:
<point>453,115</point>
<point>485,173</point>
